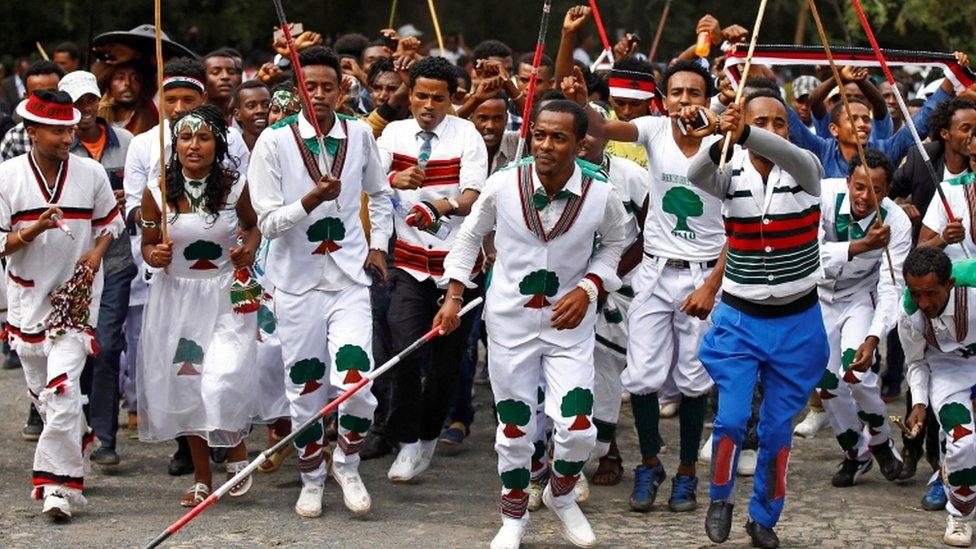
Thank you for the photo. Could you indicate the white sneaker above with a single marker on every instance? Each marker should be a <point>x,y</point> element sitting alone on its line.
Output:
<point>747,463</point>
<point>958,532</point>
<point>427,448</point>
<point>705,455</point>
<point>811,425</point>
<point>509,536</point>
<point>406,464</point>
<point>354,493</point>
<point>535,496</point>
<point>582,489</point>
<point>57,507</point>
<point>309,504</point>
<point>576,528</point>
<point>669,409</point>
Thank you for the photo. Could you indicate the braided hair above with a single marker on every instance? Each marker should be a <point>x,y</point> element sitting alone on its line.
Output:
<point>221,178</point>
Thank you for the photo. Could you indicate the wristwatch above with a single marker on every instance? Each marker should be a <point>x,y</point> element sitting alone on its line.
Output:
<point>454,204</point>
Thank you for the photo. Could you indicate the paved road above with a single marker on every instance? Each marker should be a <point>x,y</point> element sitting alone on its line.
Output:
<point>454,504</point>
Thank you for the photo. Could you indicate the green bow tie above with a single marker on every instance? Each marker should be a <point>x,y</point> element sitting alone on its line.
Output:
<point>331,145</point>
<point>846,226</point>
<point>540,199</point>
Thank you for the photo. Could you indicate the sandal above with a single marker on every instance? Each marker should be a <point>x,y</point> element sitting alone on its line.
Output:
<point>244,485</point>
<point>609,472</point>
<point>274,462</point>
<point>195,495</point>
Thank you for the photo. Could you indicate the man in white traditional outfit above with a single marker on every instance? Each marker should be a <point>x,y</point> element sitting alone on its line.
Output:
<point>317,264</point>
<point>44,189</point>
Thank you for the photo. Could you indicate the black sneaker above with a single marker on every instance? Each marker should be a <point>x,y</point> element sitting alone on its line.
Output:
<point>32,430</point>
<point>106,457</point>
<point>718,521</point>
<point>889,462</point>
<point>181,463</point>
<point>375,446</point>
<point>761,536</point>
<point>850,470</point>
<point>909,465</point>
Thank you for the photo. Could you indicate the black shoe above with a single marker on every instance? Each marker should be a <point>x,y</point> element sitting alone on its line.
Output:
<point>375,446</point>
<point>909,465</point>
<point>218,455</point>
<point>850,470</point>
<point>11,360</point>
<point>32,430</point>
<point>106,456</point>
<point>761,536</point>
<point>718,521</point>
<point>181,463</point>
<point>889,463</point>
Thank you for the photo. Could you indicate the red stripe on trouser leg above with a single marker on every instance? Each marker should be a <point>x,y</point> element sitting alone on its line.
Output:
<point>561,485</point>
<point>724,454</point>
<point>515,503</point>
<point>780,467</point>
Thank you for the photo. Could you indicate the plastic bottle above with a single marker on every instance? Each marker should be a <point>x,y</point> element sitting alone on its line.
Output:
<point>704,44</point>
<point>403,209</point>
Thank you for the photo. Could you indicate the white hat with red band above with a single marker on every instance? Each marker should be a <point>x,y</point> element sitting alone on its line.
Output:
<point>49,108</point>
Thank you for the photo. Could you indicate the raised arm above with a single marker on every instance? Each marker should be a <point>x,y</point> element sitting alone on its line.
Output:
<point>574,88</point>
<point>575,18</point>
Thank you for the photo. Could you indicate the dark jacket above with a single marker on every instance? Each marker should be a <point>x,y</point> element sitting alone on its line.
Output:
<point>912,179</point>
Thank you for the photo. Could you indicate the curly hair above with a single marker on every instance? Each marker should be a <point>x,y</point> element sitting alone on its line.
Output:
<point>320,55</point>
<point>941,117</point>
<point>435,68</point>
<point>875,159</point>
<point>687,66</point>
<point>185,66</point>
<point>384,64</point>
<point>490,48</point>
<point>925,260</point>
<point>221,178</point>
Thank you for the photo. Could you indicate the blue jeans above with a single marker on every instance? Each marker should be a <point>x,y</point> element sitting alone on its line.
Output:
<point>786,355</point>
<point>104,396</point>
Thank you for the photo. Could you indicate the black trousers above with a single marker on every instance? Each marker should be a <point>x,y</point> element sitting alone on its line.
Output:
<point>424,383</point>
<point>929,434</point>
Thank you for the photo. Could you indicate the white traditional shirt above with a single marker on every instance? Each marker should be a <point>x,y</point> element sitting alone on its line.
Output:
<point>960,191</point>
<point>590,211</point>
<point>323,249</point>
<point>845,277</point>
<point>84,195</point>
<point>458,161</point>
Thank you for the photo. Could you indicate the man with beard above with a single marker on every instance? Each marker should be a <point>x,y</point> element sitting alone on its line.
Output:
<point>251,102</point>
<point>97,139</point>
<point>42,75</point>
<point>124,104</point>
<point>224,74</point>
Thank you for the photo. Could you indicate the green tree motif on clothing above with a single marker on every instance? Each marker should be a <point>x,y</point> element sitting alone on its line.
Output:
<point>568,468</point>
<point>355,425</point>
<point>516,481</point>
<point>873,421</point>
<point>309,439</point>
<point>513,414</point>
<point>953,417</point>
<point>266,320</point>
<point>308,372</point>
<point>682,203</point>
<point>203,252</point>
<point>845,360</point>
<point>578,402</point>
<point>352,359</point>
<point>963,478</point>
<point>828,382</point>
<point>188,354</point>
<point>540,285</point>
<point>328,231</point>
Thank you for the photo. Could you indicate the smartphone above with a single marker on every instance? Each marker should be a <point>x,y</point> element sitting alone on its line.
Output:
<point>296,29</point>
<point>634,39</point>
<point>700,121</point>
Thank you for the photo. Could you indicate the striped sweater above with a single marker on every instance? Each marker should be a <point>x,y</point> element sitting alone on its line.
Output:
<point>772,226</point>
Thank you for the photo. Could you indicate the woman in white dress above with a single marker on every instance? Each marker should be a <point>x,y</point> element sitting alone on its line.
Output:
<point>196,363</point>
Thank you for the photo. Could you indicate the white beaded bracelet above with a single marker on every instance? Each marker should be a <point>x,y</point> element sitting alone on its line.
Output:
<point>589,287</point>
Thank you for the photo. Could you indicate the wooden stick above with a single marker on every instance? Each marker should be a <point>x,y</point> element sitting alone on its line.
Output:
<point>43,53</point>
<point>745,76</point>
<point>164,225</point>
<point>437,26</point>
<point>392,14</point>
<point>850,121</point>
<point>660,31</point>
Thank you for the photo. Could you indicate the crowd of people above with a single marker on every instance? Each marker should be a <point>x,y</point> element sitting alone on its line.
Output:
<point>297,227</point>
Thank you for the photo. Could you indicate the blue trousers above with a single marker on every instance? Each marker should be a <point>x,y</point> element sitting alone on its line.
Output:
<point>104,396</point>
<point>786,355</point>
